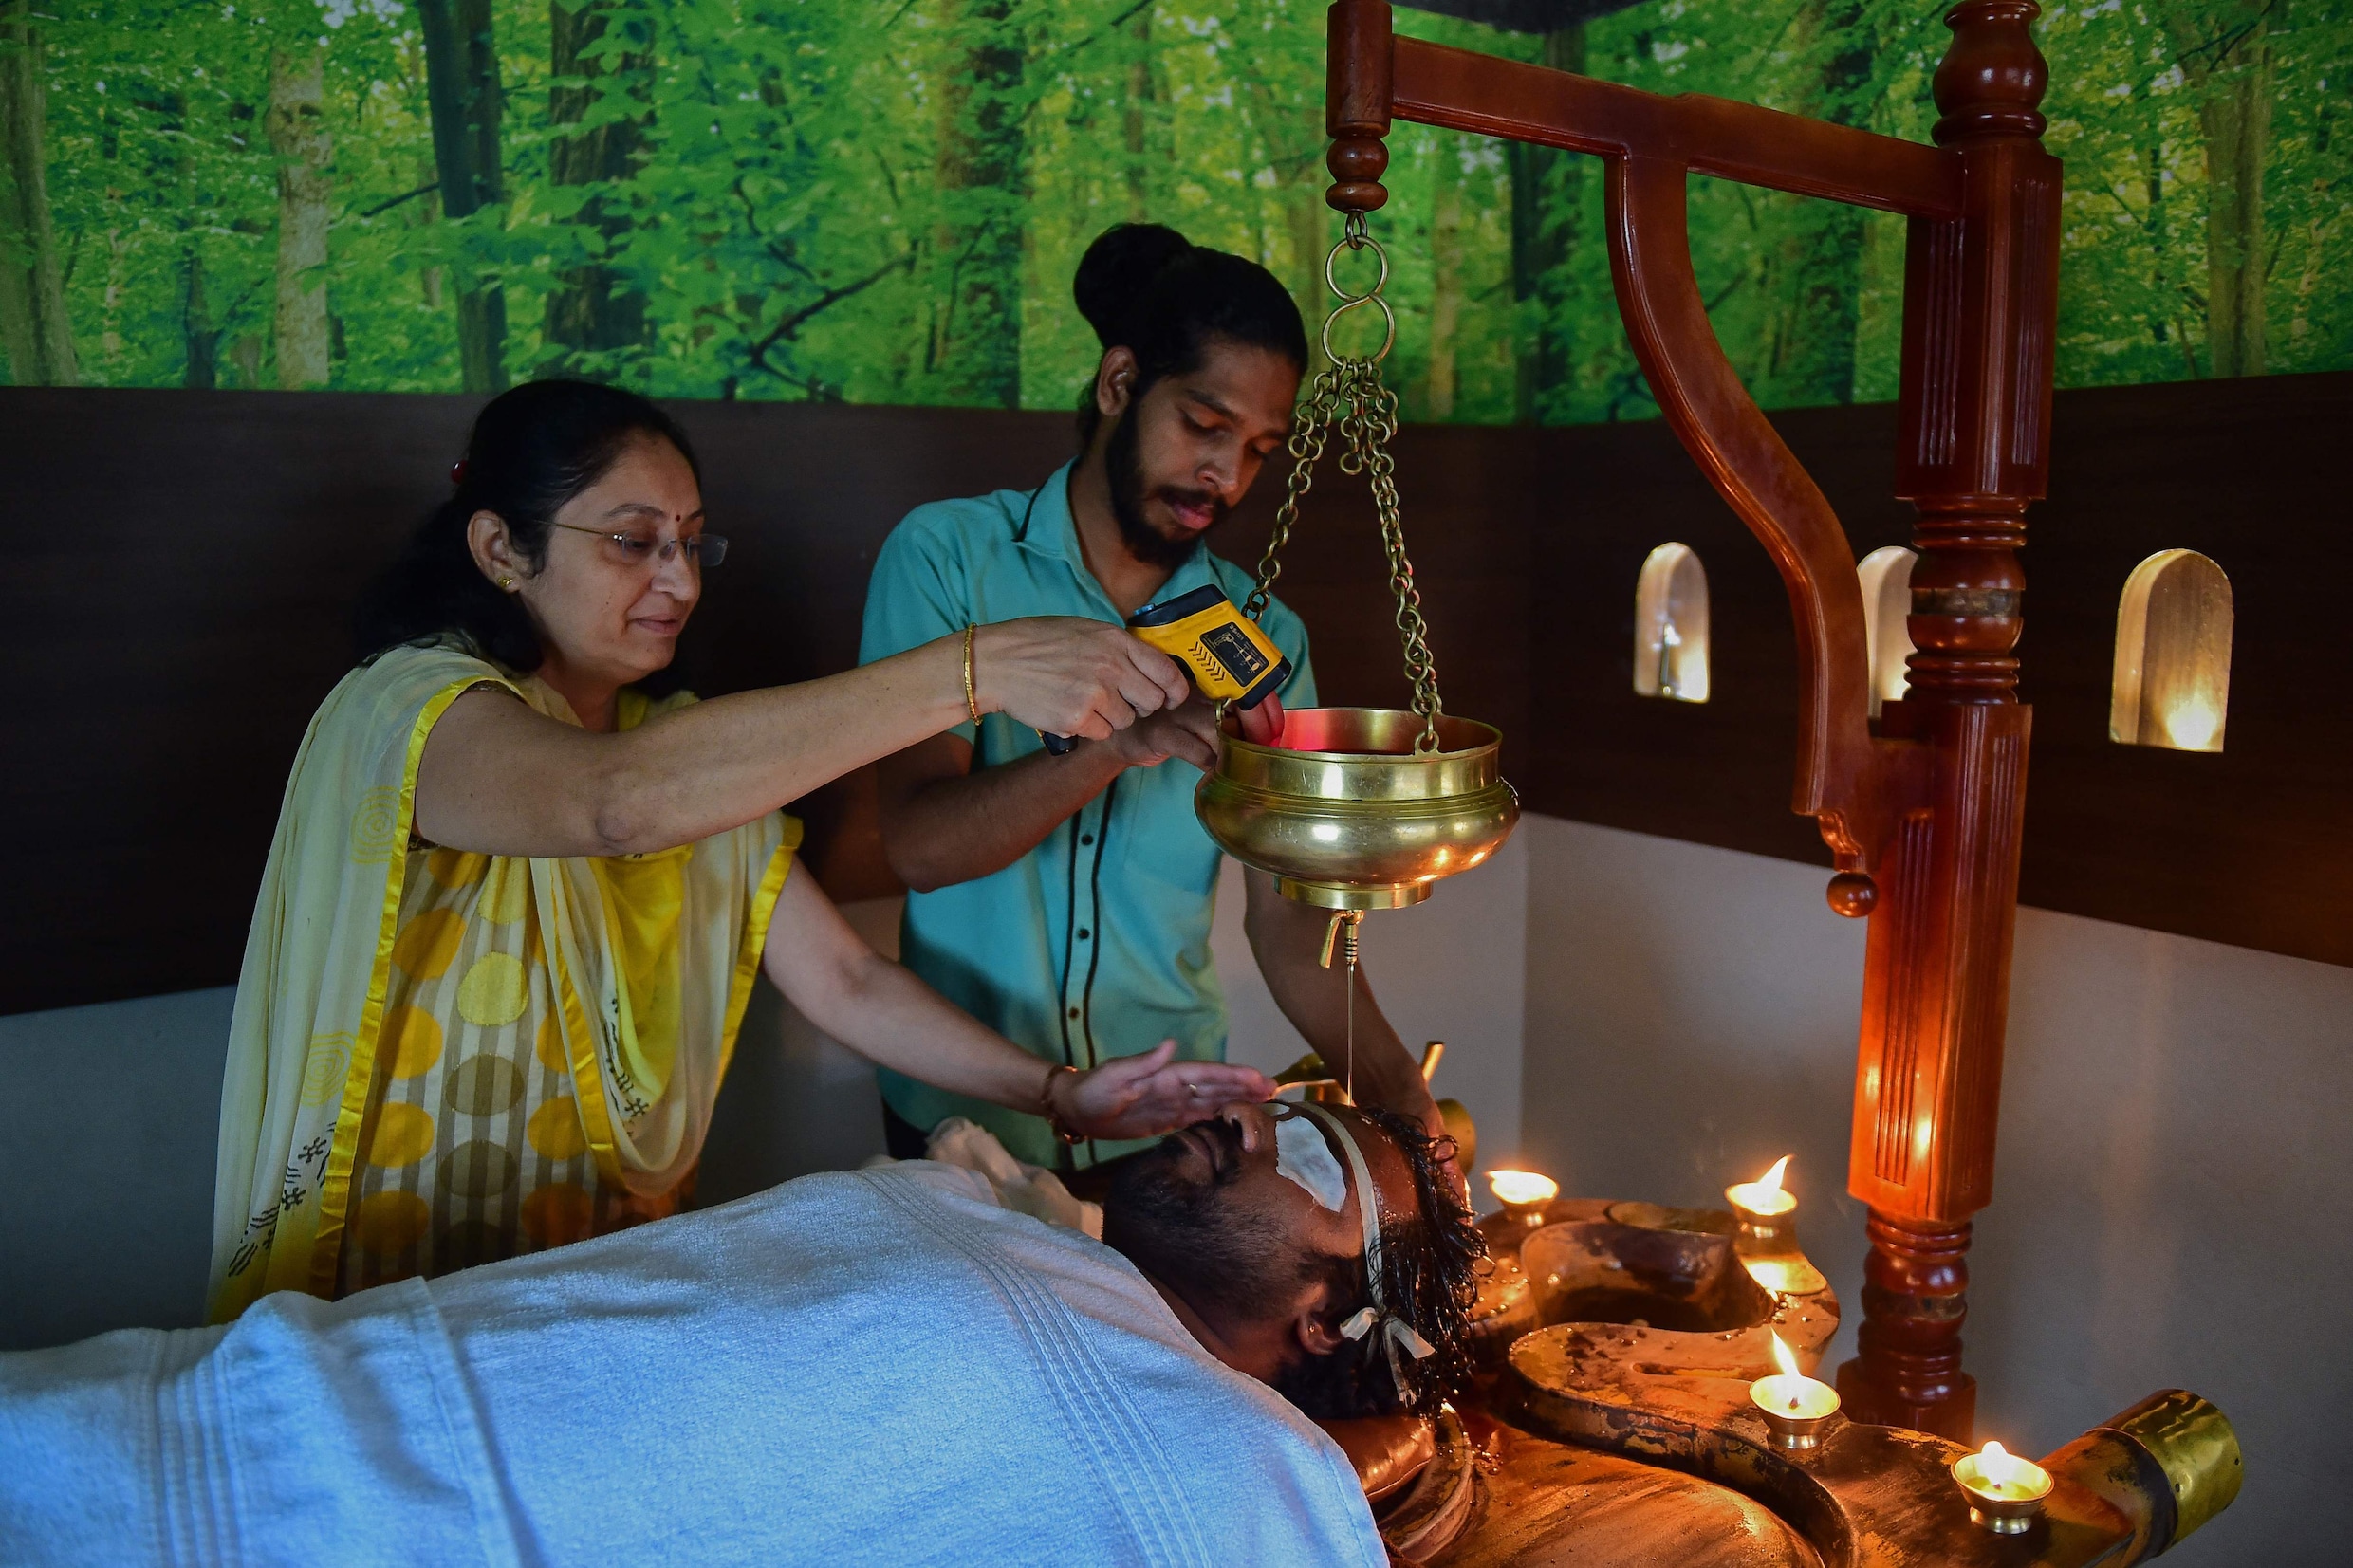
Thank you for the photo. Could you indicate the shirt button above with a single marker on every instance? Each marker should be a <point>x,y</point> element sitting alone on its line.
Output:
<point>1081,934</point>
<point>1074,1012</point>
<point>1086,837</point>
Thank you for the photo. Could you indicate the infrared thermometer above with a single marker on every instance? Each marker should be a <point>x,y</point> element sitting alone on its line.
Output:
<point>1224,652</point>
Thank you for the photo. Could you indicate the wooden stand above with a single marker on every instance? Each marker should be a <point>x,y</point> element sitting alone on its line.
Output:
<point>1922,818</point>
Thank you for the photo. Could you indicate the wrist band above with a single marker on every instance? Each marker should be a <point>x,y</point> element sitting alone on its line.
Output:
<point>1046,1105</point>
<point>971,704</point>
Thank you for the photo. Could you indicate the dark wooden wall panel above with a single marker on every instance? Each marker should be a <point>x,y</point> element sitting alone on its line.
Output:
<point>2254,846</point>
<point>187,564</point>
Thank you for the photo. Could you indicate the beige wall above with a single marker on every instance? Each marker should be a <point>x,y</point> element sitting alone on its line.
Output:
<point>2174,1177</point>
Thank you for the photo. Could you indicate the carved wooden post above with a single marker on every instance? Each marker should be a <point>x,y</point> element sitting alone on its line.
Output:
<point>1923,818</point>
<point>1357,76</point>
<point>1980,313</point>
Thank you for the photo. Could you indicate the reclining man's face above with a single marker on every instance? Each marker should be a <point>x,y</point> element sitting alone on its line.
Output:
<point>1257,1269</point>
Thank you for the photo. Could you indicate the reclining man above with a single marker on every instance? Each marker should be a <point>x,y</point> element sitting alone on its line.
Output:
<point>884,1366</point>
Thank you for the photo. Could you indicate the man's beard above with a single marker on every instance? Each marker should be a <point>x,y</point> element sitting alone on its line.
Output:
<point>1185,1235</point>
<point>1124,466</point>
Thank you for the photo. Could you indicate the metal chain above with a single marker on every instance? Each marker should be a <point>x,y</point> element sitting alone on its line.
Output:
<point>1306,448</point>
<point>1353,391</point>
<point>1377,423</point>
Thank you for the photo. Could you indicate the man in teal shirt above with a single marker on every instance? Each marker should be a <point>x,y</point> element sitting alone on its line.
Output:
<point>1065,900</point>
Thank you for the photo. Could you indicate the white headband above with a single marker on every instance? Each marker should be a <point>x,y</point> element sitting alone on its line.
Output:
<point>1396,1331</point>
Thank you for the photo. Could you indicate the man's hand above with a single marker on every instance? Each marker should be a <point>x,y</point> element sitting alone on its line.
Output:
<point>1262,725</point>
<point>1188,731</point>
<point>1141,1097</point>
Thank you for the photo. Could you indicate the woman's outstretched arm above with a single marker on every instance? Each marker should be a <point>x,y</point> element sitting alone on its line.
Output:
<point>498,779</point>
<point>886,1015</point>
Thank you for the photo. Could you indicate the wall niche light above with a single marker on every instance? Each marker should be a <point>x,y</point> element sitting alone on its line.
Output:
<point>1670,626</point>
<point>2172,655</point>
<point>1886,576</point>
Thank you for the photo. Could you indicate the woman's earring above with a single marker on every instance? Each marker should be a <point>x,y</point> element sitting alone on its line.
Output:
<point>506,582</point>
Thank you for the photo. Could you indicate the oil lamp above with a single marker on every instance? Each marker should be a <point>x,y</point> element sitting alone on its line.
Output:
<point>1523,1194</point>
<point>1794,1405</point>
<point>2004,1492</point>
<point>1761,1205</point>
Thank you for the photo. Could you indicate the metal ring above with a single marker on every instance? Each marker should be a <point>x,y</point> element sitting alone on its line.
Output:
<point>1388,339</point>
<point>1357,240</point>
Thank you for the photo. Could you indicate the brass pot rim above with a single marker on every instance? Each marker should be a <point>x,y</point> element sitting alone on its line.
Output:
<point>1407,807</point>
<point>1231,728</point>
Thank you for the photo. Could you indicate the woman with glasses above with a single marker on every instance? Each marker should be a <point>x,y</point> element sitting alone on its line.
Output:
<point>516,902</point>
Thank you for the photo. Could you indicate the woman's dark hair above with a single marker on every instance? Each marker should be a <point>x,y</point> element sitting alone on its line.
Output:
<point>1146,287</point>
<point>533,450</point>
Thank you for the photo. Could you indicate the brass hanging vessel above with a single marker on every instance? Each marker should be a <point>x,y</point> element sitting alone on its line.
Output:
<point>1357,808</point>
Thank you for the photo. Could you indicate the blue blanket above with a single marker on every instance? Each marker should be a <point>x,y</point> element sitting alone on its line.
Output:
<point>883,1367</point>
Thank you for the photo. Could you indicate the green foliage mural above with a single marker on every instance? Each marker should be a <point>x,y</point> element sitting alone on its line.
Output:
<point>882,200</point>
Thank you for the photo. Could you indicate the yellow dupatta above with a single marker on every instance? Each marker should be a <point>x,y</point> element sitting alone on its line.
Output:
<point>653,957</point>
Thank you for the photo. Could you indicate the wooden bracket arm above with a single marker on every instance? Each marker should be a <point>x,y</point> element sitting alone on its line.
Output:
<point>1464,91</point>
<point>1853,785</point>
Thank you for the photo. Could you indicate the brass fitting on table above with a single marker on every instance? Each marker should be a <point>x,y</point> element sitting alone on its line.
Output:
<point>2168,1465</point>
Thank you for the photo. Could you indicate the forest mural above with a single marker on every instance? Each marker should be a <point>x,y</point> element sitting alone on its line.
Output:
<point>882,200</point>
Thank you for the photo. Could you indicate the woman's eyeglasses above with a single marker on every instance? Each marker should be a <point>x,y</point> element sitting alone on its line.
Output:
<point>635,549</point>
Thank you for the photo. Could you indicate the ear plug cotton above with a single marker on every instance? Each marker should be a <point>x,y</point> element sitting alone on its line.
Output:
<point>1301,1154</point>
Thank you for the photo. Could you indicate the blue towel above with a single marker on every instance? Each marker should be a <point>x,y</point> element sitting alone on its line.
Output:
<point>879,1367</point>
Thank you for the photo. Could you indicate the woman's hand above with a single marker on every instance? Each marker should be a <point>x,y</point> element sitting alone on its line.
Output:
<point>1068,675</point>
<point>1141,1097</point>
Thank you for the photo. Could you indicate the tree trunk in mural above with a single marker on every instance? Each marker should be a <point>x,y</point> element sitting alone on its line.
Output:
<point>33,327</point>
<point>1547,202</point>
<point>1135,117</point>
<point>2225,56</point>
<point>1446,259</point>
<point>461,83</point>
<point>1290,134</point>
<point>1809,353</point>
<point>980,168</point>
<point>1313,228</point>
<point>592,310</point>
<point>199,336</point>
<point>298,134</point>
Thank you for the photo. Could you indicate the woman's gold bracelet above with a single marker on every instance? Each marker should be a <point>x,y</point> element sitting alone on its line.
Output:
<point>1046,1105</point>
<point>972,704</point>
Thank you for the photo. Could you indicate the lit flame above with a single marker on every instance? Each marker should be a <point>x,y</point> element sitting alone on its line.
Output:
<point>1999,1466</point>
<point>1764,1196</point>
<point>2193,723</point>
<point>1786,1362</point>
<point>1521,1187</point>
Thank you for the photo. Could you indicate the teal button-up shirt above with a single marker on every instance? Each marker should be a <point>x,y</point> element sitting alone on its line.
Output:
<point>1095,944</point>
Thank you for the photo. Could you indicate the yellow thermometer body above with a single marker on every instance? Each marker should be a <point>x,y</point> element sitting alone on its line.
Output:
<point>1223,650</point>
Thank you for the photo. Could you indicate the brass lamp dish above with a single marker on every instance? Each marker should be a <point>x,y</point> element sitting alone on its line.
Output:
<point>1348,815</point>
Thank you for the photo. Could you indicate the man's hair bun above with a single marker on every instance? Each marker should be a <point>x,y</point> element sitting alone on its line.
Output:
<point>1117,272</point>
<point>1144,288</point>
